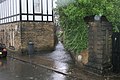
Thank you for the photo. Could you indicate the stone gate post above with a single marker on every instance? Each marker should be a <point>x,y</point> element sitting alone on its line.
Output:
<point>99,45</point>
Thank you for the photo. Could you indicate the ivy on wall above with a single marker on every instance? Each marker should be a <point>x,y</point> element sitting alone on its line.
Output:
<point>72,19</point>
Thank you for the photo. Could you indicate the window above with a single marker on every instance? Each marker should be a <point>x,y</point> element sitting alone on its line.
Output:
<point>37,6</point>
<point>9,7</point>
<point>15,7</point>
<point>18,7</point>
<point>30,17</point>
<point>1,10</point>
<point>12,7</point>
<point>24,17</point>
<point>50,7</point>
<point>24,6</point>
<point>38,18</point>
<point>30,6</point>
<point>44,6</point>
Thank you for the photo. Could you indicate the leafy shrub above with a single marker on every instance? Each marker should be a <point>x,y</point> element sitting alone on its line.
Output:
<point>72,22</point>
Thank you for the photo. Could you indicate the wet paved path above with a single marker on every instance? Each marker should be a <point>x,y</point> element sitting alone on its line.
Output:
<point>11,69</point>
<point>56,65</point>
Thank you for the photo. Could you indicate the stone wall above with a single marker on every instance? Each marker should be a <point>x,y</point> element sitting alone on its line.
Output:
<point>20,34</point>
<point>40,33</point>
<point>99,47</point>
<point>10,35</point>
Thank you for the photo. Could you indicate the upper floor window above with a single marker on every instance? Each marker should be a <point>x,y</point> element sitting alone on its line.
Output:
<point>37,6</point>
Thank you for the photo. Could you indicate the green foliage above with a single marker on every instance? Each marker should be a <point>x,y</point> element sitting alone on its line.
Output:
<point>72,22</point>
<point>63,2</point>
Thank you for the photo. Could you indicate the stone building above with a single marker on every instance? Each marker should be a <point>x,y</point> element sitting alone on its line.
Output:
<point>24,21</point>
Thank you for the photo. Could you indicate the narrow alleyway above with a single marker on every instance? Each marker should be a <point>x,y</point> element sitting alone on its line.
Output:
<point>59,54</point>
<point>62,59</point>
